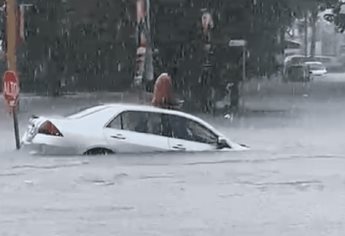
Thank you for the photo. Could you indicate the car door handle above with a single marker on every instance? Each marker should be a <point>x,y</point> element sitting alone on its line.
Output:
<point>118,136</point>
<point>179,147</point>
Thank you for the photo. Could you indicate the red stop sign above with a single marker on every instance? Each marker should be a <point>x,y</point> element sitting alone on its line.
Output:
<point>10,87</point>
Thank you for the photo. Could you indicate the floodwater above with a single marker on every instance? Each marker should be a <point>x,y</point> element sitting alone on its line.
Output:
<point>291,182</point>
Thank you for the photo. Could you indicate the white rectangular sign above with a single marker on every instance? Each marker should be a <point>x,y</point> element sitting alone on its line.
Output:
<point>237,43</point>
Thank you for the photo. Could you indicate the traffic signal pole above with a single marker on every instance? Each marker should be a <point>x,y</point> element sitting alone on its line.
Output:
<point>11,30</point>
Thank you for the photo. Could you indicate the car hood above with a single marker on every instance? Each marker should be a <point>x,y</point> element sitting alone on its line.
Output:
<point>239,147</point>
<point>319,71</point>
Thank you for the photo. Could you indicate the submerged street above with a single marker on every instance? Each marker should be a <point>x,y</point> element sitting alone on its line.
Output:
<point>291,182</point>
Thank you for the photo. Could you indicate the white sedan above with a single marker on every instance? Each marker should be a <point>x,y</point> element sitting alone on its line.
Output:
<point>123,128</point>
<point>316,68</point>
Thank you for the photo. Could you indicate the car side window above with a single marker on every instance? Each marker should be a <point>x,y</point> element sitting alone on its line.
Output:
<point>202,134</point>
<point>186,129</point>
<point>138,121</point>
<point>116,123</point>
<point>176,127</point>
<point>154,123</point>
<point>134,121</point>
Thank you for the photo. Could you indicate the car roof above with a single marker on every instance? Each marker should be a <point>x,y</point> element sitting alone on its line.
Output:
<point>125,106</point>
<point>147,108</point>
<point>105,112</point>
<point>121,107</point>
<point>313,62</point>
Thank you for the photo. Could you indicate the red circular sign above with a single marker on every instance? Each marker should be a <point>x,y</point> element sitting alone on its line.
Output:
<point>10,87</point>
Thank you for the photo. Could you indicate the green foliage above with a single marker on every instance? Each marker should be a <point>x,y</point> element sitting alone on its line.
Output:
<point>89,48</point>
<point>91,43</point>
<point>242,19</point>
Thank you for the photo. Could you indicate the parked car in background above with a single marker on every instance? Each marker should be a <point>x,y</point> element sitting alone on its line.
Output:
<point>316,68</point>
<point>293,60</point>
<point>297,73</point>
<point>330,63</point>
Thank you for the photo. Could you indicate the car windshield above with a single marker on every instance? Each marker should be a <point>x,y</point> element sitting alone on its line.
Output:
<point>316,66</point>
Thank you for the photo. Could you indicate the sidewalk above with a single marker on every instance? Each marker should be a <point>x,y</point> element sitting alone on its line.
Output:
<point>255,101</point>
<point>258,96</point>
<point>32,102</point>
<point>122,96</point>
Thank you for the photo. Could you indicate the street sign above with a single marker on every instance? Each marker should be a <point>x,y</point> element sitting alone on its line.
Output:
<point>237,43</point>
<point>10,88</point>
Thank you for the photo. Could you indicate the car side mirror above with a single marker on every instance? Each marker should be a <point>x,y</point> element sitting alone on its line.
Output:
<point>222,143</point>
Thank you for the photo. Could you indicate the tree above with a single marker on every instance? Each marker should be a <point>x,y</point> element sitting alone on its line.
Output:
<point>89,47</point>
<point>44,57</point>
<point>178,37</point>
<point>93,47</point>
<point>309,10</point>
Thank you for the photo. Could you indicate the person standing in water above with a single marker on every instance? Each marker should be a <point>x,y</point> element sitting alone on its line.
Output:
<point>163,95</point>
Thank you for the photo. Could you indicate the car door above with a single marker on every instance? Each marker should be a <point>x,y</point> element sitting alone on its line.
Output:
<point>188,135</point>
<point>136,131</point>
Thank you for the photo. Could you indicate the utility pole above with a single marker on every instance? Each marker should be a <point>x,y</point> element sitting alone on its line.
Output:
<point>208,90</point>
<point>144,67</point>
<point>11,29</point>
<point>305,26</point>
<point>244,57</point>
<point>149,51</point>
<point>313,22</point>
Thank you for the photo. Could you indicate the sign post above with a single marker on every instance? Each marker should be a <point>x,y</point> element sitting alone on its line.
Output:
<point>11,92</point>
<point>241,43</point>
<point>10,79</point>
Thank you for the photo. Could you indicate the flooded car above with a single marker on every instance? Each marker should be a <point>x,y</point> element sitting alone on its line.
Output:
<point>124,128</point>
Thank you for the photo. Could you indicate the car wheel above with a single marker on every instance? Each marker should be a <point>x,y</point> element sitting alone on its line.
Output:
<point>98,152</point>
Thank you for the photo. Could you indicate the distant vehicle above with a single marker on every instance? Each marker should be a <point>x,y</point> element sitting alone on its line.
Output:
<point>293,60</point>
<point>297,73</point>
<point>316,68</point>
<point>330,63</point>
<point>123,128</point>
